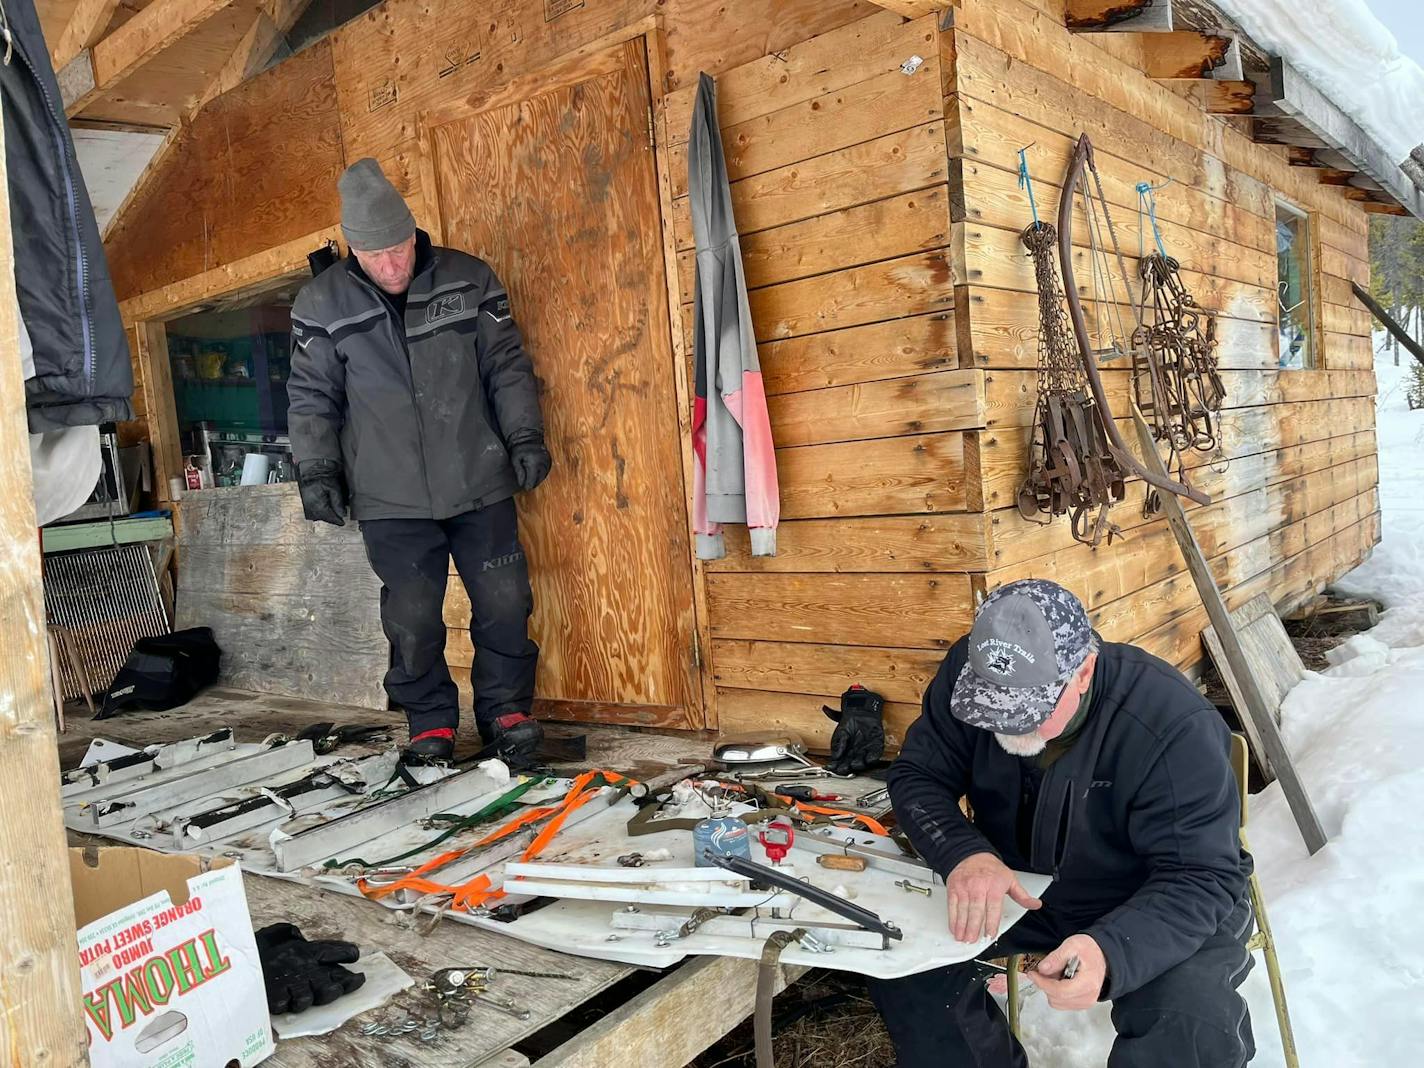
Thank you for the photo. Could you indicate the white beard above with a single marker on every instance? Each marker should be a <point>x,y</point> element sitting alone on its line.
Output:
<point>1021,745</point>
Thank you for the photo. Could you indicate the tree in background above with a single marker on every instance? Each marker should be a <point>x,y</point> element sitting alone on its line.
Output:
<point>1397,271</point>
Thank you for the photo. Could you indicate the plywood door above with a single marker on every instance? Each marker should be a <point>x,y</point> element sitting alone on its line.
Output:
<point>558,192</point>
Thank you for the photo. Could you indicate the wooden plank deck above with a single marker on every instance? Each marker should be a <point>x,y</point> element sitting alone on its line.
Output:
<point>661,1038</point>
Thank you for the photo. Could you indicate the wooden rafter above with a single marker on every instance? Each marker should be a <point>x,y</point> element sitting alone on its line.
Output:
<point>153,30</point>
<point>913,9</point>
<point>1215,97</point>
<point>1099,15</point>
<point>1181,53</point>
<point>83,30</point>
<point>257,46</point>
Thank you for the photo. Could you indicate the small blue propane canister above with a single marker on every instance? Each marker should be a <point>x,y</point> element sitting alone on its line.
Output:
<point>723,835</point>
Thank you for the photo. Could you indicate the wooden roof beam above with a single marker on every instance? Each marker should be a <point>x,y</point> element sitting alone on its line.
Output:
<point>156,28</point>
<point>1178,53</point>
<point>1098,16</point>
<point>258,45</point>
<point>1298,98</point>
<point>913,9</point>
<point>1301,156</point>
<point>1215,97</point>
<point>83,30</point>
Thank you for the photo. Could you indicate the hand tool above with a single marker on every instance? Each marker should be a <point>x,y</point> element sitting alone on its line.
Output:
<point>1071,968</point>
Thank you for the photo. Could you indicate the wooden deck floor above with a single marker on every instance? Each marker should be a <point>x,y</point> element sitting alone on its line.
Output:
<point>655,1025</point>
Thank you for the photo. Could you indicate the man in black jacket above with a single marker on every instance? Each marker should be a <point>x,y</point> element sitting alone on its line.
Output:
<point>1100,765</point>
<point>411,395</point>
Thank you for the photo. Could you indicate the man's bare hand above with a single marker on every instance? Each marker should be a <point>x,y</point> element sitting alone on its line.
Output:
<point>976,889</point>
<point>1086,986</point>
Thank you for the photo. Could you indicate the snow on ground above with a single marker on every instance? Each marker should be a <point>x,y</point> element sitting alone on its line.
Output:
<point>1348,922</point>
<point>1350,56</point>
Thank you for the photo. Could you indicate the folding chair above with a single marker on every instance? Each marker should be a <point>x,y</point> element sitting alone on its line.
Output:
<point>1261,940</point>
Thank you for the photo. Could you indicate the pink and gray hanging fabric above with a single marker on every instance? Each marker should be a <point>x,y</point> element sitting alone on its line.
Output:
<point>734,477</point>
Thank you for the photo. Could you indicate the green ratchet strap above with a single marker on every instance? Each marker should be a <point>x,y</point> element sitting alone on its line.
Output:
<point>500,806</point>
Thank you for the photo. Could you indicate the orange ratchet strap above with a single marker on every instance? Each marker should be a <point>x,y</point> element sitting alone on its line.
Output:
<point>477,891</point>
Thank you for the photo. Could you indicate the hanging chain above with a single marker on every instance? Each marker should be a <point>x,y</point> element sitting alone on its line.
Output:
<point>1175,376</point>
<point>1071,466</point>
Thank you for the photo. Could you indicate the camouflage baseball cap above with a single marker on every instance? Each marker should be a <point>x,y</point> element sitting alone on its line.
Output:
<point>1028,639</point>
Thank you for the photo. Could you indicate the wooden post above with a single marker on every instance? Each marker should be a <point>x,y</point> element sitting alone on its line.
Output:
<point>40,1022</point>
<point>1400,335</point>
<point>1260,715</point>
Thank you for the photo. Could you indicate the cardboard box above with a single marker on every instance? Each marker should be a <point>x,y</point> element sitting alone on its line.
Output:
<point>168,961</point>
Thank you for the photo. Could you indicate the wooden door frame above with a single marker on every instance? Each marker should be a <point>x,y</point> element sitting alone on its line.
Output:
<point>144,317</point>
<point>567,69</point>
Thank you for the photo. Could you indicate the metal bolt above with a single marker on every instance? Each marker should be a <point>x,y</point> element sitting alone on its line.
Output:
<point>912,888</point>
<point>613,938</point>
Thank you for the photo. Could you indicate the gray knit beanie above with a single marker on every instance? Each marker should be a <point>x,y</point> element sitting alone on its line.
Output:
<point>373,214</point>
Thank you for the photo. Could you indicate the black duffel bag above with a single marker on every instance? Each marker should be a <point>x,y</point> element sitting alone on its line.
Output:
<point>164,671</point>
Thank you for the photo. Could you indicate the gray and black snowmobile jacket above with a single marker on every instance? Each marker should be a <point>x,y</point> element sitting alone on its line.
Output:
<point>82,376</point>
<point>420,413</point>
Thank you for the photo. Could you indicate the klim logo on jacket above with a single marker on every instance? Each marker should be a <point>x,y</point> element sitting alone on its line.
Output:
<point>444,307</point>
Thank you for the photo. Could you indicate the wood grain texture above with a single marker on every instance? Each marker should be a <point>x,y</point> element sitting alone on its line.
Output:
<point>842,57</point>
<point>880,230</point>
<point>798,667</point>
<point>895,348</point>
<point>294,605</point>
<point>747,711</point>
<point>1000,330</point>
<point>872,170</point>
<point>922,544</point>
<point>919,404</point>
<point>889,476</point>
<point>554,192</point>
<point>716,36</point>
<point>887,290</point>
<point>36,903</point>
<point>992,195</point>
<point>911,611</point>
<point>256,168</point>
<point>993,135</point>
<point>880,105</point>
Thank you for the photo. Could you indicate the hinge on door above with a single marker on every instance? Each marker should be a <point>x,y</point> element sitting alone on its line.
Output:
<point>697,650</point>
<point>652,140</point>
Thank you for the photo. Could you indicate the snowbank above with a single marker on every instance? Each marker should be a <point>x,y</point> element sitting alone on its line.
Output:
<point>1348,922</point>
<point>1350,56</point>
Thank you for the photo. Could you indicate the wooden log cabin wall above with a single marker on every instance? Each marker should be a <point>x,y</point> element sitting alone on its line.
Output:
<point>873,158</point>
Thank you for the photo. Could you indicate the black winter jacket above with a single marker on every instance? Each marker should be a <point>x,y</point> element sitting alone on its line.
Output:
<point>1138,822</point>
<point>420,413</point>
<point>82,372</point>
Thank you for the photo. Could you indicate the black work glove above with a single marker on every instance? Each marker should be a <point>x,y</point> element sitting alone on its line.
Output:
<point>299,974</point>
<point>859,739</point>
<point>323,491</point>
<point>531,460</point>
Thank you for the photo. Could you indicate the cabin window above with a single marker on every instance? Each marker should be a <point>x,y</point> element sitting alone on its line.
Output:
<point>1295,297</point>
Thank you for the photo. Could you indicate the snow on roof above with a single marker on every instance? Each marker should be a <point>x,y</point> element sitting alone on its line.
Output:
<point>1350,56</point>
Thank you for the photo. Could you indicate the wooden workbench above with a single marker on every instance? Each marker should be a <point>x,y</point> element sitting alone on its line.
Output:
<point>654,1022</point>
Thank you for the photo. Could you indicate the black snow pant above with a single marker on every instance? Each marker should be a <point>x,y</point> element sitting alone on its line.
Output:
<point>1190,1016</point>
<point>412,557</point>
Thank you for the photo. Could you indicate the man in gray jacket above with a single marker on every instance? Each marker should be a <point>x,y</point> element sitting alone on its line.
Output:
<point>413,401</point>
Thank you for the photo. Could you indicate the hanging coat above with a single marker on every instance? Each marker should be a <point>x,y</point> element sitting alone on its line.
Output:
<point>82,375</point>
<point>734,477</point>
